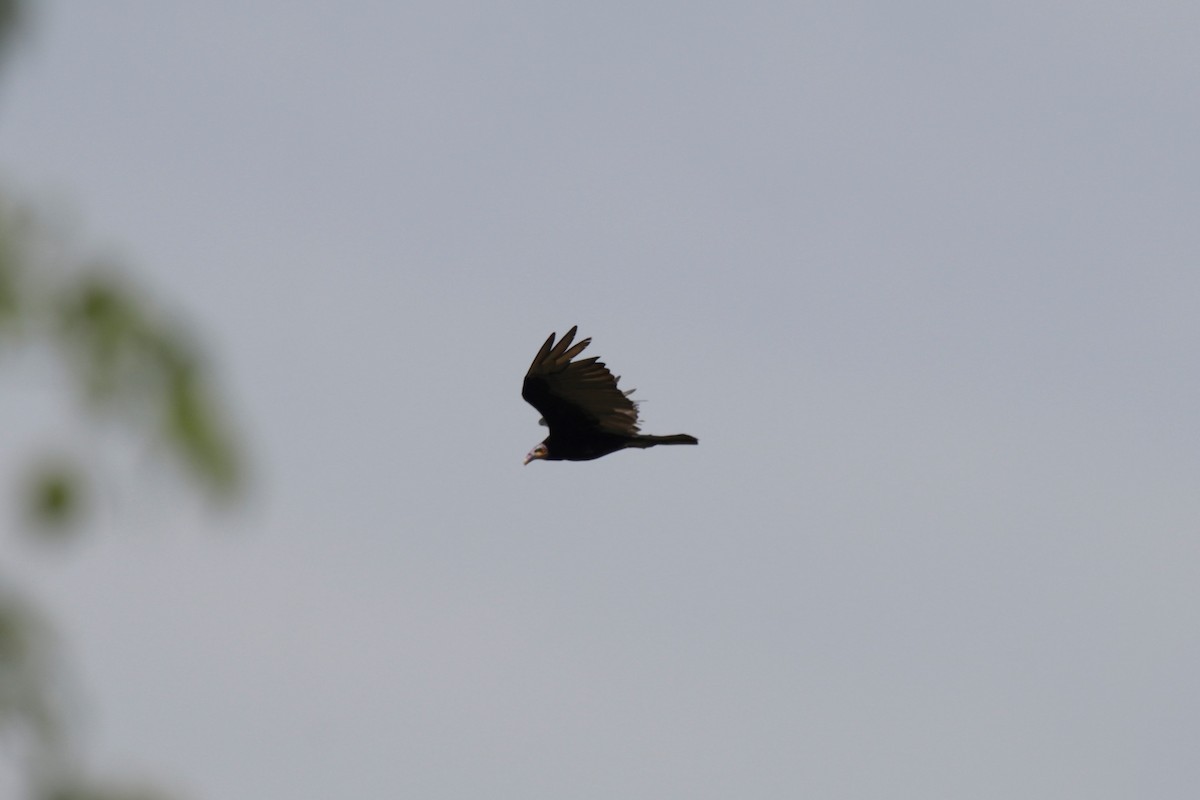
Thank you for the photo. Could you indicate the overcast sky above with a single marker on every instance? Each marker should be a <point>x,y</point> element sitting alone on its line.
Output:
<point>922,277</point>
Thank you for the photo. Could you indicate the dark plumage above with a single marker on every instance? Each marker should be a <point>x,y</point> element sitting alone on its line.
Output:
<point>587,414</point>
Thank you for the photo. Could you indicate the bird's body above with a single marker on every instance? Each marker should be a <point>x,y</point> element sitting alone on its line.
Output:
<point>575,448</point>
<point>587,414</point>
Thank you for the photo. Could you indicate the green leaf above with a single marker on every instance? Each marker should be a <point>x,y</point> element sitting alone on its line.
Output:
<point>54,498</point>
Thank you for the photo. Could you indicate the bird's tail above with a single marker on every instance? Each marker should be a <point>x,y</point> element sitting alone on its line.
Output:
<point>646,440</point>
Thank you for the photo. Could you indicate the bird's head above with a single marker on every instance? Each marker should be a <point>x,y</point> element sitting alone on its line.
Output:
<point>538,452</point>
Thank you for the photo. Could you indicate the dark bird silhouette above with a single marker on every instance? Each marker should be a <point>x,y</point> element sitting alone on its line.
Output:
<point>587,414</point>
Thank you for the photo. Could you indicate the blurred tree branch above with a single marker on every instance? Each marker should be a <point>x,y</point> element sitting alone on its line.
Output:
<point>128,362</point>
<point>131,364</point>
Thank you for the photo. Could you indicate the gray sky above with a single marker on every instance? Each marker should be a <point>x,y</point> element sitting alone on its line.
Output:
<point>922,278</point>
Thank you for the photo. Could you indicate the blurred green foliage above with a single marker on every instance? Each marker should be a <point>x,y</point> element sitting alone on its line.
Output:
<point>132,362</point>
<point>10,268</point>
<point>54,497</point>
<point>10,14</point>
<point>90,791</point>
<point>25,674</point>
<point>132,366</point>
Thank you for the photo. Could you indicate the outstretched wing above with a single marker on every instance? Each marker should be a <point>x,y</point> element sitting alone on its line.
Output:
<point>577,396</point>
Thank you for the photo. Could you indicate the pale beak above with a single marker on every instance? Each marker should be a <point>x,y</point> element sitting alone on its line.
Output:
<point>528,457</point>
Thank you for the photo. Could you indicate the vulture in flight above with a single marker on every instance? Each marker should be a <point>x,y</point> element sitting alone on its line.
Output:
<point>588,416</point>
